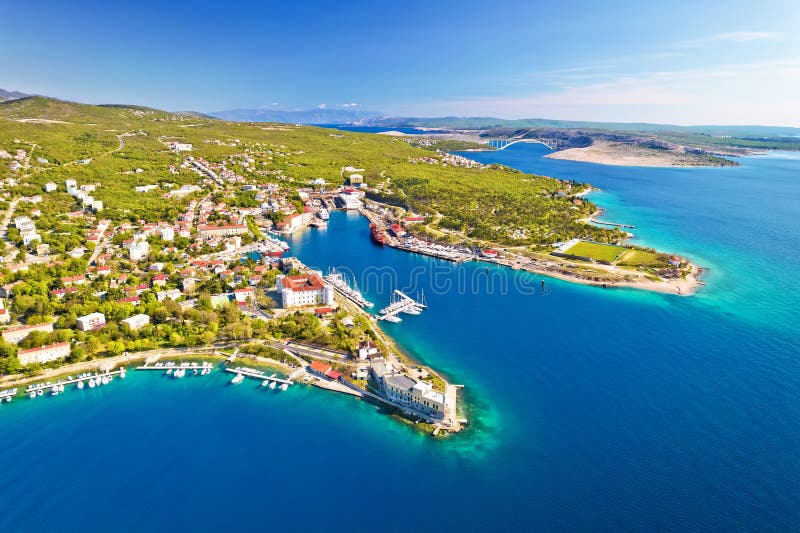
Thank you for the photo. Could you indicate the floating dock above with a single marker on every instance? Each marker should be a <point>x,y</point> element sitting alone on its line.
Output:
<point>401,303</point>
<point>258,374</point>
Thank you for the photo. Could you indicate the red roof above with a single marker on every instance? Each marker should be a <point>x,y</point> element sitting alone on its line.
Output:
<point>303,283</point>
<point>43,348</point>
<point>322,368</point>
<point>323,310</point>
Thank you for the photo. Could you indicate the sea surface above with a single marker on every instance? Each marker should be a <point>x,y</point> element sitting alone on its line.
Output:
<point>589,409</point>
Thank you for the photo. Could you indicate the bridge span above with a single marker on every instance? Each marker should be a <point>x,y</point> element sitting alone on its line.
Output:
<point>502,144</point>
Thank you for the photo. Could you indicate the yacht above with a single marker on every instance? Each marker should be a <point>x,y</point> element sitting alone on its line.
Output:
<point>237,379</point>
<point>92,383</point>
<point>80,384</point>
<point>272,385</point>
<point>284,386</point>
<point>323,214</point>
<point>33,394</point>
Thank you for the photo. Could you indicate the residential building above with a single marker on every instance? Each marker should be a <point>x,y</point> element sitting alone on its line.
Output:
<point>43,354</point>
<point>324,371</point>
<point>137,321</point>
<point>91,321</point>
<point>16,334</point>
<point>225,230</point>
<point>367,349</point>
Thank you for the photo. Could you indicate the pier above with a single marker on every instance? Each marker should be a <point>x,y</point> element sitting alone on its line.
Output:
<point>93,379</point>
<point>7,395</point>
<point>180,366</point>
<point>401,303</point>
<point>339,283</point>
<point>257,374</point>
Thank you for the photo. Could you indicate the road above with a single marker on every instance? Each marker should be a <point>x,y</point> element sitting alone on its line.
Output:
<point>7,219</point>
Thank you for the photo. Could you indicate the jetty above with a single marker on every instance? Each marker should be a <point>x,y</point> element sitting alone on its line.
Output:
<point>92,379</point>
<point>339,283</point>
<point>258,374</point>
<point>7,395</point>
<point>402,303</point>
<point>170,367</point>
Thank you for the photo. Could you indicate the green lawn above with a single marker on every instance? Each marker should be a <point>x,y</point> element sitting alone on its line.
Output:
<point>598,252</point>
<point>641,258</point>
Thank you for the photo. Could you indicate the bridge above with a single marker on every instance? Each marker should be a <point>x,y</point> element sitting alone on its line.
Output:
<point>502,144</point>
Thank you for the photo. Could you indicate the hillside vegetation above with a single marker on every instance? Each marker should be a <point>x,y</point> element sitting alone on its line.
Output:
<point>126,146</point>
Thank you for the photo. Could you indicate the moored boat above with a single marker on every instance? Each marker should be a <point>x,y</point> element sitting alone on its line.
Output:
<point>377,234</point>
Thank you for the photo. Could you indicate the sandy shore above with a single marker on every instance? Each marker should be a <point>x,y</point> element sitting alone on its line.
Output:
<point>629,155</point>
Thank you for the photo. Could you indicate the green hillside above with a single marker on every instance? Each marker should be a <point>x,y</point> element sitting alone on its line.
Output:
<point>491,203</point>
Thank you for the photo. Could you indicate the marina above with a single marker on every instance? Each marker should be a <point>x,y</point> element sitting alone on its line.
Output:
<point>243,372</point>
<point>179,370</point>
<point>7,395</point>
<point>339,283</point>
<point>91,380</point>
<point>402,303</point>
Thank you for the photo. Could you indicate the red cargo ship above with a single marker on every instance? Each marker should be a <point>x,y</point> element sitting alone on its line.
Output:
<point>377,234</point>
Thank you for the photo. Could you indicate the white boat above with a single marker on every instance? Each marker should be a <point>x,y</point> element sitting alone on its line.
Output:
<point>92,383</point>
<point>54,390</point>
<point>39,392</point>
<point>80,384</point>
<point>237,379</point>
<point>265,383</point>
<point>61,388</point>
<point>393,318</point>
<point>122,373</point>
<point>169,371</point>
<point>105,380</point>
<point>284,386</point>
<point>33,394</point>
<point>272,385</point>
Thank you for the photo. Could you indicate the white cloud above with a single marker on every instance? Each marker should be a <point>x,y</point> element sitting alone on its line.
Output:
<point>752,93</point>
<point>730,37</point>
<point>322,106</point>
<point>351,104</point>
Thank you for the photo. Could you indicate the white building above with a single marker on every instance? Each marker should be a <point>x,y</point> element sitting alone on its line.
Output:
<point>367,349</point>
<point>139,250</point>
<point>416,395</point>
<point>91,321</point>
<point>16,334</point>
<point>50,187</point>
<point>167,234</point>
<point>137,321</point>
<point>43,354</point>
<point>298,291</point>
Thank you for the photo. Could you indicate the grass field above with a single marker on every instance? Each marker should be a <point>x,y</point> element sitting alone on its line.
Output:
<point>598,252</point>
<point>641,258</point>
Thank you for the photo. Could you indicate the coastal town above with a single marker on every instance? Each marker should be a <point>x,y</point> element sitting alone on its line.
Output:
<point>188,249</point>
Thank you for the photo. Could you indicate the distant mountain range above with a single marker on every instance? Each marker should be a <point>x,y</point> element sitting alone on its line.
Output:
<point>307,116</point>
<point>486,123</point>
<point>11,95</point>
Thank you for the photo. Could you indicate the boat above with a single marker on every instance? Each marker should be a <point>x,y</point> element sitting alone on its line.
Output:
<point>54,390</point>
<point>80,384</point>
<point>39,392</point>
<point>104,380</point>
<point>323,214</point>
<point>377,234</point>
<point>237,379</point>
<point>265,383</point>
<point>284,386</point>
<point>33,395</point>
<point>92,383</point>
<point>61,387</point>
<point>169,371</point>
<point>393,318</point>
<point>272,385</point>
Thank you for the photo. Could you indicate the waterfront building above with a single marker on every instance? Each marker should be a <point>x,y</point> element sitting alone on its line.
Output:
<point>43,354</point>
<point>298,291</point>
<point>416,395</point>
<point>91,321</point>
<point>324,371</point>
<point>15,334</point>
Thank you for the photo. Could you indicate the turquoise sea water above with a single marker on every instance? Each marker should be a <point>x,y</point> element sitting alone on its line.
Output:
<point>590,408</point>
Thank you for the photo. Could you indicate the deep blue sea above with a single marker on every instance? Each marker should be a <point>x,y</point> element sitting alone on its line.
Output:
<point>590,409</point>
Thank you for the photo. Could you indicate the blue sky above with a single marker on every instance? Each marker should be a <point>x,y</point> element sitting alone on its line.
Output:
<point>678,62</point>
